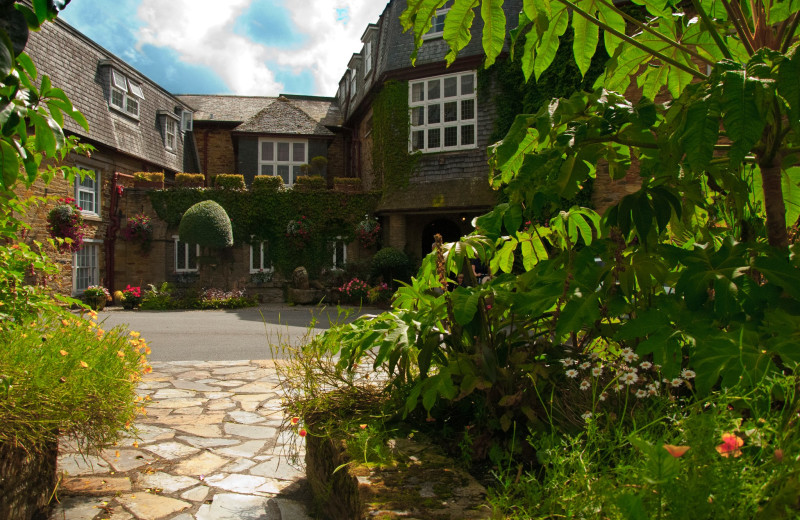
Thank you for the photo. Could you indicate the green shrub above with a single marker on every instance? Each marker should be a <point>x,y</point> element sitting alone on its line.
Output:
<point>63,376</point>
<point>310,183</point>
<point>229,181</point>
<point>318,165</point>
<point>267,183</point>
<point>206,224</point>
<point>391,264</point>
<point>189,179</point>
<point>347,181</point>
<point>149,176</point>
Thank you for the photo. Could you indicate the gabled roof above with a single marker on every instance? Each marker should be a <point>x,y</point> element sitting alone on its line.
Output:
<point>321,111</point>
<point>283,117</point>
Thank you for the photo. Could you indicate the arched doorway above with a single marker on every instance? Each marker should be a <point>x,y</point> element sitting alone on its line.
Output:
<point>449,230</point>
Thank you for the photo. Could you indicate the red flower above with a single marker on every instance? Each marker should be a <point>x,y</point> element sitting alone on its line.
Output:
<point>730,445</point>
<point>302,432</point>
<point>295,420</point>
<point>676,451</point>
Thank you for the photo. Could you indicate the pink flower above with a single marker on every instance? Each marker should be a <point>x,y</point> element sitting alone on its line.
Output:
<point>730,445</point>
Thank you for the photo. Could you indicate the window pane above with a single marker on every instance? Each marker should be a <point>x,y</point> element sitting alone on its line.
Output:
<point>86,201</point>
<point>418,140</point>
<point>417,116</point>
<point>467,134</point>
<point>132,106</point>
<point>283,171</point>
<point>438,23</point>
<point>418,92</point>
<point>267,169</point>
<point>136,90</point>
<point>117,98</point>
<point>433,114</point>
<point>267,151</point>
<point>467,109</point>
<point>434,138</point>
<point>296,172</point>
<point>299,152</point>
<point>467,84</point>
<point>283,152</point>
<point>433,89</point>
<point>450,87</point>
<point>192,264</point>
<point>451,111</point>
<point>119,80</point>
<point>180,255</point>
<point>451,136</point>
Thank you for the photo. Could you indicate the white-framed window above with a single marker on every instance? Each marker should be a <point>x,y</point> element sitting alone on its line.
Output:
<point>367,57</point>
<point>259,257</point>
<point>282,157</point>
<point>443,113</point>
<point>87,192</point>
<point>339,247</point>
<point>126,94</point>
<point>85,271</point>
<point>437,22</point>
<point>187,121</point>
<point>185,256</point>
<point>170,133</point>
<point>353,83</point>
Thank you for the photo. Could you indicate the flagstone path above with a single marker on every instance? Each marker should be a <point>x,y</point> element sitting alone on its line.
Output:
<point>209,448</point>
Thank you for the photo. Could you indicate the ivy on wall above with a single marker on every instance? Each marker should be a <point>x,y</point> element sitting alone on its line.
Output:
<point>391,161</point>
<point>263,215</point>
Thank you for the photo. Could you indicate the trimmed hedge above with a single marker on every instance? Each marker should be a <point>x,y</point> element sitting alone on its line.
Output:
<point>310,183</point>
<point>149,176</point>
<point>206,224</point>
<point>270,183</point>
<point>229,181</point>
<point>189,179</point>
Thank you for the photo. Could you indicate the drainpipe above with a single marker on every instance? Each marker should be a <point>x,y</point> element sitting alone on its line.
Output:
<point>113,227</point>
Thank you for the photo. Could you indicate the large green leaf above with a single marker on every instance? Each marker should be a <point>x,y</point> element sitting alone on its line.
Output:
<point>578,314</point>
<point>465,304</point>
<point>494,29</point>
<point>550,39</point>
<point>788,86</point>
<point>584,44</point>
<point>9,160</point>
<point>701,132</point>
<point>729,361</point>
<point>457,25</point>
<point>740,113</point>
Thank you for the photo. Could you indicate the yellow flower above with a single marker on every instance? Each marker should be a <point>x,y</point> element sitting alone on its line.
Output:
<point>134,334</point>
<point>147,351</point>
<point>65,323</point>
<point>93,315</point>
<point>63,352</point>
<point>120,353</point>
<point>134,343</point>
<point>84,364</point>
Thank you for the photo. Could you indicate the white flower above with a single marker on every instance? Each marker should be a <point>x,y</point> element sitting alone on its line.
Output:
<point>594,355</point>
<point>645,365</point>
<point>597,371</point>
<point>630,357</point>
<point>652,387</point>
<point>626,351</point>
<point>567,362</point>
<point>687,374</point>
<point>572,373</point>
<point>629,378</point>
<point>657,367</point>
<point>586,416</point>
<point>603,396</point>
<point>676,382</point>
<point>641,394</point>
<point>618,387</point>
<point>585,365</point>
<point>585,385</point>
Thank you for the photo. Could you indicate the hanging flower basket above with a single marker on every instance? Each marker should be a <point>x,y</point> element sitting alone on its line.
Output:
<point>66,222</point>
<point>298,231</point>
<point>139,229</point>
<point>368,231</point>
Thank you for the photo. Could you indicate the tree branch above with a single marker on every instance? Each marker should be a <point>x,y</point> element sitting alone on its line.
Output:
<point>628,39</point>
<point>787,42</point>
<point>646,28</point>
<point>712,29</point>
<point>743,32</point>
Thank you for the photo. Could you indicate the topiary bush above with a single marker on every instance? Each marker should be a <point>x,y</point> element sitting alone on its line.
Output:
<point>229,181</point>
<point>268,183</point>
<point>206,224</point>
<point>310,183</point>
<point>391,264</point>
<point>189,180</point>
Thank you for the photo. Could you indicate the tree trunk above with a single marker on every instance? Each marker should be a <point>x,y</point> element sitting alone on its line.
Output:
<point>774,204</point>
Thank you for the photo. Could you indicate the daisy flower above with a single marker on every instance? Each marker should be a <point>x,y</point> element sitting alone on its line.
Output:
<point>645,365</point>
<point>641,394</point>
<point>597,371</point>
<point>586,416</point>
<point>631,357</point>
<point>629,378</point>
<point>585,385</point>
<point>572,373</point>
<point>603,396</point>
<point>567,362</point>
<point>676,382</point>
<point>585,365</point>
<point>687,374</point>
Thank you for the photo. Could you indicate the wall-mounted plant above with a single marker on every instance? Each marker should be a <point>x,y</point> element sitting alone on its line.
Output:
<point>299,231</point>
<point>148,180</point>
<point>228,181</point>
<point>65,224</point>
<point>139,229</point>
<point>189,180</point>
<point>368,231</point>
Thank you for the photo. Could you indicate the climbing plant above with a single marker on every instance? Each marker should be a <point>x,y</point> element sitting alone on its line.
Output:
<point>392,163</point>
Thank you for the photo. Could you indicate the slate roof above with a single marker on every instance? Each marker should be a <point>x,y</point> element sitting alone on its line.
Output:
<point>82,69</point>
<point>291,114</point>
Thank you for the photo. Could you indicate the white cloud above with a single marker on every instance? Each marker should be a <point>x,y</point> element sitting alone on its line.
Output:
<point>201,32</point>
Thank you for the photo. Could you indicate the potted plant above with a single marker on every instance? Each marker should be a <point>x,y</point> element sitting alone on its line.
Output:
<point>139,229</point>
<point>96,296</point>
<point>189,180</point>
<point>261,277</point>
<point>368,231</point>
<point>298,231</point>
<point>131,297</point>
<point>65,221</point>
<point>148,180</point>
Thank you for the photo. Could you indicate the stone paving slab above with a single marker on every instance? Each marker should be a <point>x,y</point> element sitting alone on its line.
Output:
<point>208,448</point>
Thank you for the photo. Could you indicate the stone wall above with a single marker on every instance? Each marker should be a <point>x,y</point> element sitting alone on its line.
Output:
<point>27,481</point>
<point>215,148</point>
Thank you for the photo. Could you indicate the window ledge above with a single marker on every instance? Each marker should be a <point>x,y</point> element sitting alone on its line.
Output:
<point>123,112</point>
<point>92,217</point>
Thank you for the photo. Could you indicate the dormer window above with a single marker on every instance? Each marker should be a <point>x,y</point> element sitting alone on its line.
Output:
<point>126,94</point>
<point>367,57</point>
<point>353,83</point>
<point>169,129</point>
<point>437,22</point>
<point>187,121</point>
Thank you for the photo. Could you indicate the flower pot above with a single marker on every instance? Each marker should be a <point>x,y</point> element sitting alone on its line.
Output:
<point>97,303</point>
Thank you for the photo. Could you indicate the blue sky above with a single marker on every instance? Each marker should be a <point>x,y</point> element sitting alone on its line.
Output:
<point>245,47</point>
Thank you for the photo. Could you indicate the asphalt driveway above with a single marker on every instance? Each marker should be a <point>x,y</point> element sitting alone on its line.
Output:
<point>224,335</point>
